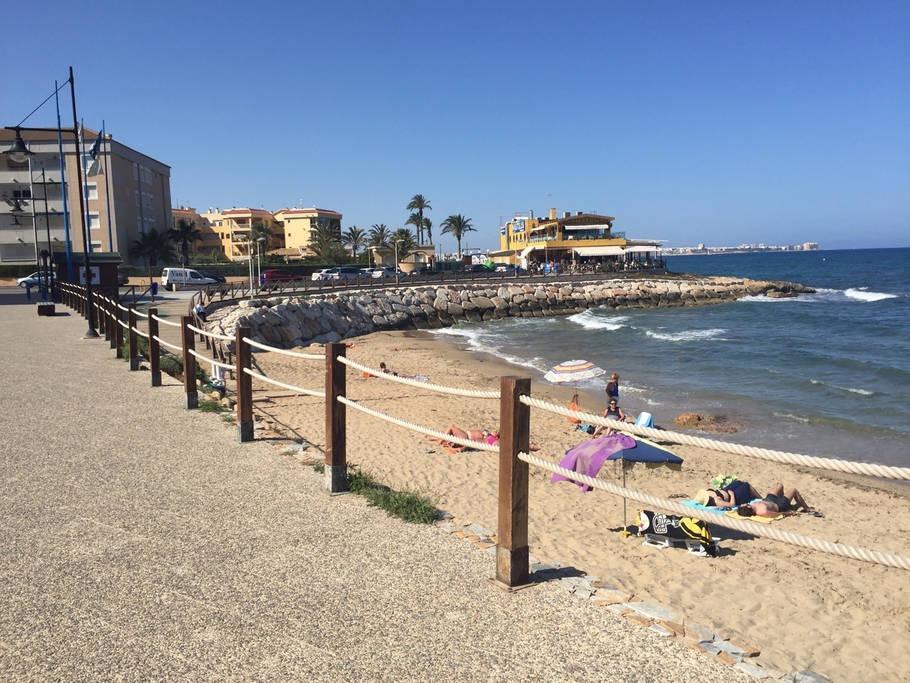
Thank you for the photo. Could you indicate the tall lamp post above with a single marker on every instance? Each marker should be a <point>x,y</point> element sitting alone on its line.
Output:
<point>397,277</point>
<point>20,153</point>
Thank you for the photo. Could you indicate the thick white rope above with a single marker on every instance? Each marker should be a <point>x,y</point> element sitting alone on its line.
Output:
<point>211,361</point>
<point>440,388</point>
<point>122,307</point>
<point>283,352</point>
<point>874,556</point>
<point>165,322</point>
<point>168,344</point>
<point>122,324</point>
<point>140,313</point>
<point>204,333</point>
<point>468,443</point>
<point>139,332</point>
<point>872,469</point>
<point>289,387</point>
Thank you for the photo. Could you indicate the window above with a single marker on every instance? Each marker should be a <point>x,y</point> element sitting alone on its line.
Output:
<point>91,190</point>
<point>22,194</point>
<point>96,245</point>
<point>94,221</point>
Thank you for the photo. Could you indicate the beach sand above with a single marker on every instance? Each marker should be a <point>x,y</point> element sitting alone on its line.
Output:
<point>803,609</point>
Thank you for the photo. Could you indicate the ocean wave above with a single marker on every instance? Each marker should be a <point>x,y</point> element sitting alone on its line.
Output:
<point>592,321</point>
<point>852,390</point>
<point>790,416</point>
<point>713,334</point>
<point>477,341</point>
<point>824,294</point>
<point>863,294</point>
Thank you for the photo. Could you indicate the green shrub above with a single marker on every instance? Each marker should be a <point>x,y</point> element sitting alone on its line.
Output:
<point>142,346</point>
<point>406,505</point>
<point>172,365</point>
<point>208,405</point>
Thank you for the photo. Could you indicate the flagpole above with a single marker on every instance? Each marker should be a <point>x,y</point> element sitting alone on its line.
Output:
<point>107,186</point>
<point>31,194</point>
<point>66,213</point>
<point>85,218</point>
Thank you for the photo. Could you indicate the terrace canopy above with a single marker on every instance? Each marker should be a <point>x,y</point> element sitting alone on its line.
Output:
<point>599,251</point>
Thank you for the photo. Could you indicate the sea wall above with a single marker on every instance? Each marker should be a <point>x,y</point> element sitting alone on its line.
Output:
<point>292,321</point>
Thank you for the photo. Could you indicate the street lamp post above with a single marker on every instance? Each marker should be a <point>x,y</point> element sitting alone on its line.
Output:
<point>259,242</point>
<point>20,153</point>
<point>397,277</point>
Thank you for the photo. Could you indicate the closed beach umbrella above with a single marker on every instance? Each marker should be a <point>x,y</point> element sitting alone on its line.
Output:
<point>573,371</point>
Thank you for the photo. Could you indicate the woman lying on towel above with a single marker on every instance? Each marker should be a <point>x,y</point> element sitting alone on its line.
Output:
<point>776,502</point>
<point>486,436</point>
<point>735,493</point>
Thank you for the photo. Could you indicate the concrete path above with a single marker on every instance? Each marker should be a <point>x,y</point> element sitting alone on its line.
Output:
<point>140,541</point>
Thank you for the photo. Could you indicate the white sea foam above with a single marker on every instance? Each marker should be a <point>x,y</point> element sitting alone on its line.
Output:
<point>790,416</point>
<point>862,294</point>
<point>476,340</point>
<point>592,321</point>
<point>713,334</point>
<point>852,390</point>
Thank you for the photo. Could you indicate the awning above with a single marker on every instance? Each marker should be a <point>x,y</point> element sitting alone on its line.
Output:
<point>586,227</point>
<point>642,250</point>
<point>526,251</point>
<point>599,251</point>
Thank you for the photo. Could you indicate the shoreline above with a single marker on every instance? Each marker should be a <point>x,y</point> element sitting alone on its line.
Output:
<point>762,578</point>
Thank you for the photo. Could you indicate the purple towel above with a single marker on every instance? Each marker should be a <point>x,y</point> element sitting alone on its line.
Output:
<point>589,456</point>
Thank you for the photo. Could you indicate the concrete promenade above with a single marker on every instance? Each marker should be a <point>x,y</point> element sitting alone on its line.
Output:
<point>140,541</point>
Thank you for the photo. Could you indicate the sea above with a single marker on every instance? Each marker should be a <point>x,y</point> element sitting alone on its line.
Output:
<point>824,374</point>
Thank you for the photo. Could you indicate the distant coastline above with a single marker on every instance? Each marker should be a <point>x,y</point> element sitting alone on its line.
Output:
<point>702,250</point>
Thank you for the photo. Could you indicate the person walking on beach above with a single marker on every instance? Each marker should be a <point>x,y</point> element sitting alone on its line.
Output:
<point>613,387</point>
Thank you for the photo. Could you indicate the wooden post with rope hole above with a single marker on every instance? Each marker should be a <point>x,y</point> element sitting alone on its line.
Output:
<point>112,321</point>
<point>133,339</point>
<point>336,466</point>
<point>154,348</point>
<point>189,363</point>
<point>244,383</point>
<point>512,569</point>
<point>100,310</point>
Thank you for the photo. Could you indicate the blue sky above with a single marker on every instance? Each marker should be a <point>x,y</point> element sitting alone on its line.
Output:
<point>692,122</point>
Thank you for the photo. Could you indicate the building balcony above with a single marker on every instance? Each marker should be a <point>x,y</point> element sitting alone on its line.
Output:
<point>21,177</point>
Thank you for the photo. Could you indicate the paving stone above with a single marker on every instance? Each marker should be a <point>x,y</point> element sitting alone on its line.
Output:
<point>728,658</point>
<point>677,628</point>
<point>662,631</point>
<point>606,597</point>
<point>583,593</point>
<point>654,611</point>
<point>618,609</point>
<point>810,677</point>
<point>638,618</point>
<point>729,648</point>
<point>710,648</point>
<point>699,633</point>
<point>753,671</point>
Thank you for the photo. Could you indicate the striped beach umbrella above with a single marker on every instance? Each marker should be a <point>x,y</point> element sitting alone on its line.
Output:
<point>573,371</point>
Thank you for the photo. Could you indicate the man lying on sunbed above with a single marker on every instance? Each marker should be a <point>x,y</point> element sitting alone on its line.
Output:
<point>776,502</point>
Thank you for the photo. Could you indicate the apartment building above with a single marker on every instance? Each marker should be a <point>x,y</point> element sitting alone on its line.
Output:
<point>126,194</point>
<point>234,227</point>
<point>209,243</point>
<point>299,225</point>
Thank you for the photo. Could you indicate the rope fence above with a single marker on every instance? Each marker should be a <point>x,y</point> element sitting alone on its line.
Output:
<point>283,352</point>
<point>439,388</point>
<point>139,332</point>
<point>166,322</point>
<point>213,335</point>
<point>289,387</point>
<point>840,549</point>
<point>852,467</point>
<point>211,361</point>
<point>172,347</point>
<point>468,443</point>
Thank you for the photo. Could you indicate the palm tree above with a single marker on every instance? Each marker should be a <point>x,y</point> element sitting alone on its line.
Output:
<point>416,220</point>
<point>258,230</point>
<point>457,225</point>
<point>428,226</point>
<point>152,247</point>
<point>185,234</point>
<point>419,203</point>
<point>406,243</point>
<point>379,235</point>
<point>354,238</point>
<point>325,241</point>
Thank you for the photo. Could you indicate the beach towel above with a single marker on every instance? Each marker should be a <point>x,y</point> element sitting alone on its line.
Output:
<point>698,506</point>
<point>589,456</point>
<point>753,518</point>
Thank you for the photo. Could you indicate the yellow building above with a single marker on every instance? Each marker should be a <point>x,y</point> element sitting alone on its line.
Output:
<point>209,242</point>
<point>579,237</point>
<point>233,228</point>
<point>298,226</point>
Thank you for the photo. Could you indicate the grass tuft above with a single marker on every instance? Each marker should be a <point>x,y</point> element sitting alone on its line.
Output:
<point>319,467</point>
<point>406,505</point>
<point>208,405</point>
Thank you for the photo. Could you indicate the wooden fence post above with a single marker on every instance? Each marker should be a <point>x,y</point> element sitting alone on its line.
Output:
<point>244,383</point>
<point>514,438</point>
<point>106,317</point>
<point>189,363</point>
<point>154,348</point>
<point>336,467</point>
<point>112,319</point>
<point>118,331</point>
<point>133,339</point>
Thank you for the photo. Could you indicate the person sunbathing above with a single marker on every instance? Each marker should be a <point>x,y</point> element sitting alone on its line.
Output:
<point>735,493</point>
<point>574,421</point>
<point>776,502</point>
<point>480,435</point>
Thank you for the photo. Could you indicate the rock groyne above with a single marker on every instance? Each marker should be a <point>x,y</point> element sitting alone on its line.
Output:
<point>291,321</point>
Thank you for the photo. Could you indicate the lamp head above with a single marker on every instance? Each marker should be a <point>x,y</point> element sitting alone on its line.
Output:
<point>18,152</point>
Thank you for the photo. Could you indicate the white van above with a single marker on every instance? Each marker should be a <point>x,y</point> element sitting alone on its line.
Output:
<point>172,278</point>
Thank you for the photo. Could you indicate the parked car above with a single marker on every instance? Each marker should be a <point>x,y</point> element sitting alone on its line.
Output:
<point>379,272</point>
<point>273,275</point>
<point>337,273</point>
<point>32,280</point>
<point>214,276</point>
<point>514,270</point>
<point>172,278</point>
<point>476,268</point>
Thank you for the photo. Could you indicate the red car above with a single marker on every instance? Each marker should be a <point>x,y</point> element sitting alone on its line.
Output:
<point>274,275</point>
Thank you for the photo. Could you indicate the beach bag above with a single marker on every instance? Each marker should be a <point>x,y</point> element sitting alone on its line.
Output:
<point>675,528</point>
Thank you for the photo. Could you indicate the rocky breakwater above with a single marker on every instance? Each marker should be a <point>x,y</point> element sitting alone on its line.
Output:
<point>286,322</point>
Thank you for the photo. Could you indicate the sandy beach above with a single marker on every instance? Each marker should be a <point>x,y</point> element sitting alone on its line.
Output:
<point>802,609</point>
